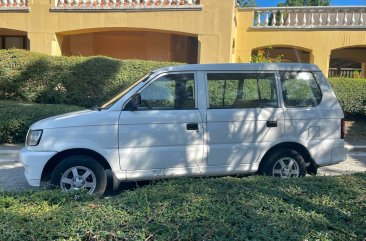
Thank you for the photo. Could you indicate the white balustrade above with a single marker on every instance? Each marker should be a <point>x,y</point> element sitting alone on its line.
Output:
<point>309,17</point>
<point>258,23</point>
<point>312,21</point>
<point>304,19</point>
<point>296,18</point>
<point>289,17</point>
<point>274,21</point>
<point>345,18</point>
<point>320,18</point>
<point>361,19</point>
<point>328,18</point>
<point>267,18</point>
<point>282,21</point>
<point>124,4</point>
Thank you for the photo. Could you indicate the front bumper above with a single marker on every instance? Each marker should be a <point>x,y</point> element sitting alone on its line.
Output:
<point>34,163</point>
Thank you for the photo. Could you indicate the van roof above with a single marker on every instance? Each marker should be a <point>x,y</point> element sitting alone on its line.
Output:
<point>243,67</point>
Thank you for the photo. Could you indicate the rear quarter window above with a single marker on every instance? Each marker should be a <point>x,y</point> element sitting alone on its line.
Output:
<point>300,89</point>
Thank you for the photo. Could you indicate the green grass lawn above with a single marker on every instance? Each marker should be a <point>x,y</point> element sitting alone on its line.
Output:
<point>250,208</point>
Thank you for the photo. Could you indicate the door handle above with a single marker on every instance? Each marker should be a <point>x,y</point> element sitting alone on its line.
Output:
<point>271,124</point>
<point>192,126</point>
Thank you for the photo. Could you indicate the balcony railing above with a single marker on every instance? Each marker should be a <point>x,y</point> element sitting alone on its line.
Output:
<point>310,17</point>
<point>344,72</point>
<point>13,5</point>
<point>126,5</point>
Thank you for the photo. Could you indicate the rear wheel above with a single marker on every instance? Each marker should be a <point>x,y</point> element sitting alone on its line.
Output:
<point>80,172</point>
<point>285,163</point>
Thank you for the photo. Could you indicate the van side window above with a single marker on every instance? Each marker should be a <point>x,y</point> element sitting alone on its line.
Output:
<point>300,89</point>
<point>241,90</point>
<point>169,92</point>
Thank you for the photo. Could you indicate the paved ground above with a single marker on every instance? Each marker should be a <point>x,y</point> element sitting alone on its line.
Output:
<point>12,178</point>
<point>354,163</point>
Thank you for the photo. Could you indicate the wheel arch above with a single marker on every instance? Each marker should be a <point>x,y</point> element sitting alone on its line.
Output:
<point>311,166</point>
<point>52,163</point>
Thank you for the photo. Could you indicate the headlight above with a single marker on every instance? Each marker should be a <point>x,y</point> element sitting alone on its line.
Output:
<point>34,137</point>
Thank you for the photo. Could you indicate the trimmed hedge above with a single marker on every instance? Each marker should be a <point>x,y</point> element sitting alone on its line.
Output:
<point>81,81</point>
<point>351,94</point>
<point>250,208</point>
<point>89,81</point>
<point>17,117</point>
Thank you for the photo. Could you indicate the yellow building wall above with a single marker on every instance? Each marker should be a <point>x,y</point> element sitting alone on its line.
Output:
<point>319,43</point>
<point>224,33</point>
<point>46,29</point>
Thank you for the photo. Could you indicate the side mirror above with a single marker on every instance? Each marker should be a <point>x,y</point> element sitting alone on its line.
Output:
<point>134,102</point>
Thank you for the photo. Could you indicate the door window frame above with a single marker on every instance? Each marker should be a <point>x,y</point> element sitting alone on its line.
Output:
<point>149,82</point>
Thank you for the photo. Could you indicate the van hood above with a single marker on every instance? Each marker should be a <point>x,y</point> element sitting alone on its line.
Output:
<point>78,118</point>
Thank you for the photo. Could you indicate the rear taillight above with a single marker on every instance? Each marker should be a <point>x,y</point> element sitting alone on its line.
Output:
<point>342,128</point>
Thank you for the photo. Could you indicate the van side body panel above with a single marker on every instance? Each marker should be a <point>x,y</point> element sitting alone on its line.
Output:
<point>318,128</point>
<point>159,144</point>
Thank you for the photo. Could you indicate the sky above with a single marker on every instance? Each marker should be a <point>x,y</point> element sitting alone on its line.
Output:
<point>273,3</point>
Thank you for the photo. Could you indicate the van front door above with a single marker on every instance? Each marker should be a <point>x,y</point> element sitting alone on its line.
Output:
<point>164,135</point>
<point>243,118</point>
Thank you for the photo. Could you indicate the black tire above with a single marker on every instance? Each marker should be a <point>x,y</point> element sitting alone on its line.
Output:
<point>292,165</point>
<point>95,180</point>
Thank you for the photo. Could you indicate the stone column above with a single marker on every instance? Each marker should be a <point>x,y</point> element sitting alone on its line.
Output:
<point>321,58</point>
<point>363,70</point>
<point>46,43</point>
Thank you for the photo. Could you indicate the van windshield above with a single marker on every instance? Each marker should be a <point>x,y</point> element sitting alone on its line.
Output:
<point>120,94</point>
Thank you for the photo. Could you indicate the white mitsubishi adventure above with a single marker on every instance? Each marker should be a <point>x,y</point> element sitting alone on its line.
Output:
<point>280,120</point>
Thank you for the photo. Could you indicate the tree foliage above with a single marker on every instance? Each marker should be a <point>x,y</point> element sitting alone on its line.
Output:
<point>306,3</point>
<point>247,3</point>
<point>264,56</point>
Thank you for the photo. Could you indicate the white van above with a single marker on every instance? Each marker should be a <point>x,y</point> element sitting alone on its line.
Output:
<point>194,120</point>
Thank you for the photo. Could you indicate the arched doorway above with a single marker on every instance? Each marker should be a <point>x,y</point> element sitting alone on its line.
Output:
<point>130,44</point>
<point>348,62</point>
<point>10,38</point>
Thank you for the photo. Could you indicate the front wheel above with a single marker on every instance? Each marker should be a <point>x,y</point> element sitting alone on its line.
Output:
<point>285,163</point>
<point>80,172</point>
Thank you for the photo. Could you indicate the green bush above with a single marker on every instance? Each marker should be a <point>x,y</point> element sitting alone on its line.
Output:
<point>81,81</point>
<point>250,208</point>
<point>351,94</point>
<point>17,117</point>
